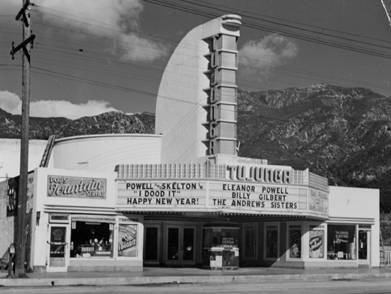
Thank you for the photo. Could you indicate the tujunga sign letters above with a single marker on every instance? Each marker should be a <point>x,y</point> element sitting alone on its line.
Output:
<point>260,174</point>
<point>76,187</point>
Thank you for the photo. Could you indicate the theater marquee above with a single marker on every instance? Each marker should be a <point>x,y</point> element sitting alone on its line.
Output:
<point>230,196</point>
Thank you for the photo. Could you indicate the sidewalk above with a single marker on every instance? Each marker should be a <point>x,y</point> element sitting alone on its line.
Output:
<point>155,275</point>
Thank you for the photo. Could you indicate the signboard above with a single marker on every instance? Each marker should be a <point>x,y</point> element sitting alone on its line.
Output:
<point>261,174</point>
<point>162,194</point>
<point>316,243</point>
<point>76,187</point>
<point>12,193</point>
<point>318,201</point>
<point>257,197</point>
<point>215,195</point>
<point>127,240</point>
<point>342,237</point>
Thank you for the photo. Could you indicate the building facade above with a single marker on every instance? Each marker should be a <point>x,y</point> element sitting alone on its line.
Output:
<point>183,197</point>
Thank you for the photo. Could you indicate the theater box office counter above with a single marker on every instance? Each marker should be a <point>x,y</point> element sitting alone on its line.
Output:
<point>76,226</point>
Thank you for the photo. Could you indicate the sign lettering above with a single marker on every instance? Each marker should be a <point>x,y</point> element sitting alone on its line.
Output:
<point>77,187</point>
<point>259,174</point>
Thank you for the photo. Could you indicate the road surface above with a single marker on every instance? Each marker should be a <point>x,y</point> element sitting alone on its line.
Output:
<point>341,287</point>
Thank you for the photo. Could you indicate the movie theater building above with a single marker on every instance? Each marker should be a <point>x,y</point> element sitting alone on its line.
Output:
<point>183,197</point>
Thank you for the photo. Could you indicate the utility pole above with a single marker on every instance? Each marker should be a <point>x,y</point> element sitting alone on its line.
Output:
<point>26,45</point>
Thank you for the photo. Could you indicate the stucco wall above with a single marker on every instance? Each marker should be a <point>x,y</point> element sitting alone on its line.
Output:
<point>103,152</point>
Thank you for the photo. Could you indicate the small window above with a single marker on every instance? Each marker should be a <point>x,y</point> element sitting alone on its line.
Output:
<point>212,94</point>
<point>211,148</point>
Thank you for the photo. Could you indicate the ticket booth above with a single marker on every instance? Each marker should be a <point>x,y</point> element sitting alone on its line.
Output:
<point>221,247</point>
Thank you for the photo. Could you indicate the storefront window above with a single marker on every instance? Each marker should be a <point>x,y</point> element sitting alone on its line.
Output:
<point>271,239</point>
<point>316,242</point>
<point>294,241</point>
<point>127,240</point>
<point>341,242</point>
<point>91,239</point>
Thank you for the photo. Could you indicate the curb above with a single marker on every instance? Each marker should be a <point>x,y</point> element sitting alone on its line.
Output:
<point>210,279</point>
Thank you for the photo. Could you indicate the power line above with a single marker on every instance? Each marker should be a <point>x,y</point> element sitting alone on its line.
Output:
<point>320,31</point>
<point>104,84</point>
<point>285,32</point>
<point>261,16</point>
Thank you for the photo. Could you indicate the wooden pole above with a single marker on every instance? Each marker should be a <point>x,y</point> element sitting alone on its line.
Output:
<point>20,236</point>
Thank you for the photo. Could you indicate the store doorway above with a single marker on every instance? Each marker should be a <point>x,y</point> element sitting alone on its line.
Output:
<point>58,248</point>
<point>363,246</point>
<point>179,244</point>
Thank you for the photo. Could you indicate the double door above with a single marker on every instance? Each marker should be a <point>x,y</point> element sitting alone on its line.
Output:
<point>179,245</point>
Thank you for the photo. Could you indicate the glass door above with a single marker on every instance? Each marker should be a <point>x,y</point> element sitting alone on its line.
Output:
<point>151,244</point>
<point>179,249</point>
<point>188,246</point>
<point>363,246</point>
<point>58,249</point>
<point>173,247</point>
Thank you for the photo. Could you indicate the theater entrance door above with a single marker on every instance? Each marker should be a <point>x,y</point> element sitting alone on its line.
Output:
<point>179,245</point>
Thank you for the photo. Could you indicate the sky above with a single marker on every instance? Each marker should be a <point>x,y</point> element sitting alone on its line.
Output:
<point>94,56</point>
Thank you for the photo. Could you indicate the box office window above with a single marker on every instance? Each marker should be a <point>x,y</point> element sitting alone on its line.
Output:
<point>127,240</point>
<point>341,242</point>
<point>271,241</point>
<point>91,239</point>
<point>316,242</point>
<point>294,241</point>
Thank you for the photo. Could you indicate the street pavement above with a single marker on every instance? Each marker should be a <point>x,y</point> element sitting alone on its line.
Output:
<point>181,277</point>
<point>319,287</point>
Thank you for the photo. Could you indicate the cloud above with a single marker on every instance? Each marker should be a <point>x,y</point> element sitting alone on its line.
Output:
<point>263,55</point>
<point>116,20</point>
<point>11,103</point>
<point>141,49</point>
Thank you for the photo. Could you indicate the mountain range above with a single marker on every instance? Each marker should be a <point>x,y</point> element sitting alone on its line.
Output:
<point>341,133</point>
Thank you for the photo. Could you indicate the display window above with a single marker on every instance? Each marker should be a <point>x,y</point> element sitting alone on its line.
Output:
<point>294,241</point>
<point>91,239</point>
<point>316,242</point>
<point>341,242</point>
<point>271,241</point>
